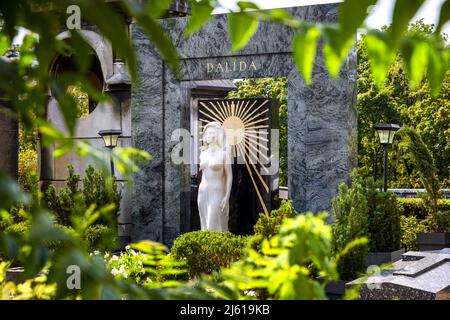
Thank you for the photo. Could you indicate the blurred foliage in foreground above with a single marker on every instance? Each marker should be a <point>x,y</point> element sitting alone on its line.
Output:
<point>280,269</point>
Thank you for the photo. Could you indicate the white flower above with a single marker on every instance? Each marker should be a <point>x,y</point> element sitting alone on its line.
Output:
<point>96,252</point>
<point>127,248</point>
<point>250,293</point>
<point>125,275</point>
<point>115,258</point>
<point>106,256</point>
<point>133,252</point>
<point>140,262</point>
<point>114,271</point>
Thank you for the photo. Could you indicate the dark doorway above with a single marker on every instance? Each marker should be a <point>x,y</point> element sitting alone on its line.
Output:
<point>252,190</point>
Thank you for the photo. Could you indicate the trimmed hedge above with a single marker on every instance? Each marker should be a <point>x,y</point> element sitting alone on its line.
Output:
<point>100,237</point>
<point>96,237</point>
<point>206,252</point>
<point>21,229</point>
<point>416,207</point>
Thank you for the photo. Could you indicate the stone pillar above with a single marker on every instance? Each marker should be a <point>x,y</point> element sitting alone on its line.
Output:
<point>9,139</point>
<point>119,89</point>
<point>147,133</point>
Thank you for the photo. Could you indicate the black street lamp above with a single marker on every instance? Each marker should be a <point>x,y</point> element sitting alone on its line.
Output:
<point>110,138</point>
<point>386,132</point>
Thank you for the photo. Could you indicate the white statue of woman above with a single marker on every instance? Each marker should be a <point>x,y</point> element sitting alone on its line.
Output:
<point>215,186</point>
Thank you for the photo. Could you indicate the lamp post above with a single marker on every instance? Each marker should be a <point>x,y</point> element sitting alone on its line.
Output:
<point>110,138</point>
<point>386,132</point>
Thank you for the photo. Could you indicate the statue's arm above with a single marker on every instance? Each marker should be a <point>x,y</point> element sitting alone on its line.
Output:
<point>229,177</point>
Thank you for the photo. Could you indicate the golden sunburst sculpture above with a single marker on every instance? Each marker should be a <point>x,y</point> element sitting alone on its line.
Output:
<point>245,122</point>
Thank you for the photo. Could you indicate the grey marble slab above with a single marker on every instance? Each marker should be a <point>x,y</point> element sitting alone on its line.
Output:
<point>418,276</point>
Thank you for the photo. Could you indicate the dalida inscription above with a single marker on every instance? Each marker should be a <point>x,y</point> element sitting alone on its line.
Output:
<point>230,66</point>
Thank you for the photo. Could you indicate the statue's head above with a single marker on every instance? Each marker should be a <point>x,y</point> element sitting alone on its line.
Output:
<point>213,135</point>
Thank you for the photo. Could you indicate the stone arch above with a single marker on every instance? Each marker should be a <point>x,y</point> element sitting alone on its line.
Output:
<point>101,47</point>
<point>111,114</point>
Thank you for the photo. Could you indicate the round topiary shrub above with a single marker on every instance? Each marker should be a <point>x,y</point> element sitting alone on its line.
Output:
<point>100,237</point>
<point>206,252</point>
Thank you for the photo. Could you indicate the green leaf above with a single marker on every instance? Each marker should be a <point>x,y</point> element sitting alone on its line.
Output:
<point>439,63</point>
<point>381,55</point>
<point>242,27</point>
<point>352,14</point>
<point>156,8</point>
<point>48,133</point>
<point>66,103</point>
<point>404,11</point>
<point>335,49</point>
<point>126,159</point>
<point>4,44</point>
<point>245,5</point>
<point>333,60</point>
<point>159,38</point>
<point>282,16</point>
<point>200,14</point>
<point>444,16</point>
<point>36,260</point>
<point>58,273</point>
<point>416,55</point>
<point>112,26</point>
<point>10,193</point>
<point>148,246</point>
<point>9,246</point>
<point>305,47</point>
<point>82,49</point>
<point>28,43</point>
<point>65,146</point>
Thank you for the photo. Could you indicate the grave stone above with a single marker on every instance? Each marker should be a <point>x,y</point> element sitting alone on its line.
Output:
<point>418,276</point>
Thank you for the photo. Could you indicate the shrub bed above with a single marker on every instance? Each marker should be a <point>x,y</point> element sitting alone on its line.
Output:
<point>416,207</point>
<point>410,227</point>
<point>206,252</point>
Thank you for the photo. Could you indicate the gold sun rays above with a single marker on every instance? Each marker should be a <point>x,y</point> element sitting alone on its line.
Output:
<point>246,129</point>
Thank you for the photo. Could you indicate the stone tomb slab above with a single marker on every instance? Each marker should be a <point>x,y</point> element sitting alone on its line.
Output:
<point>418,276</point>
